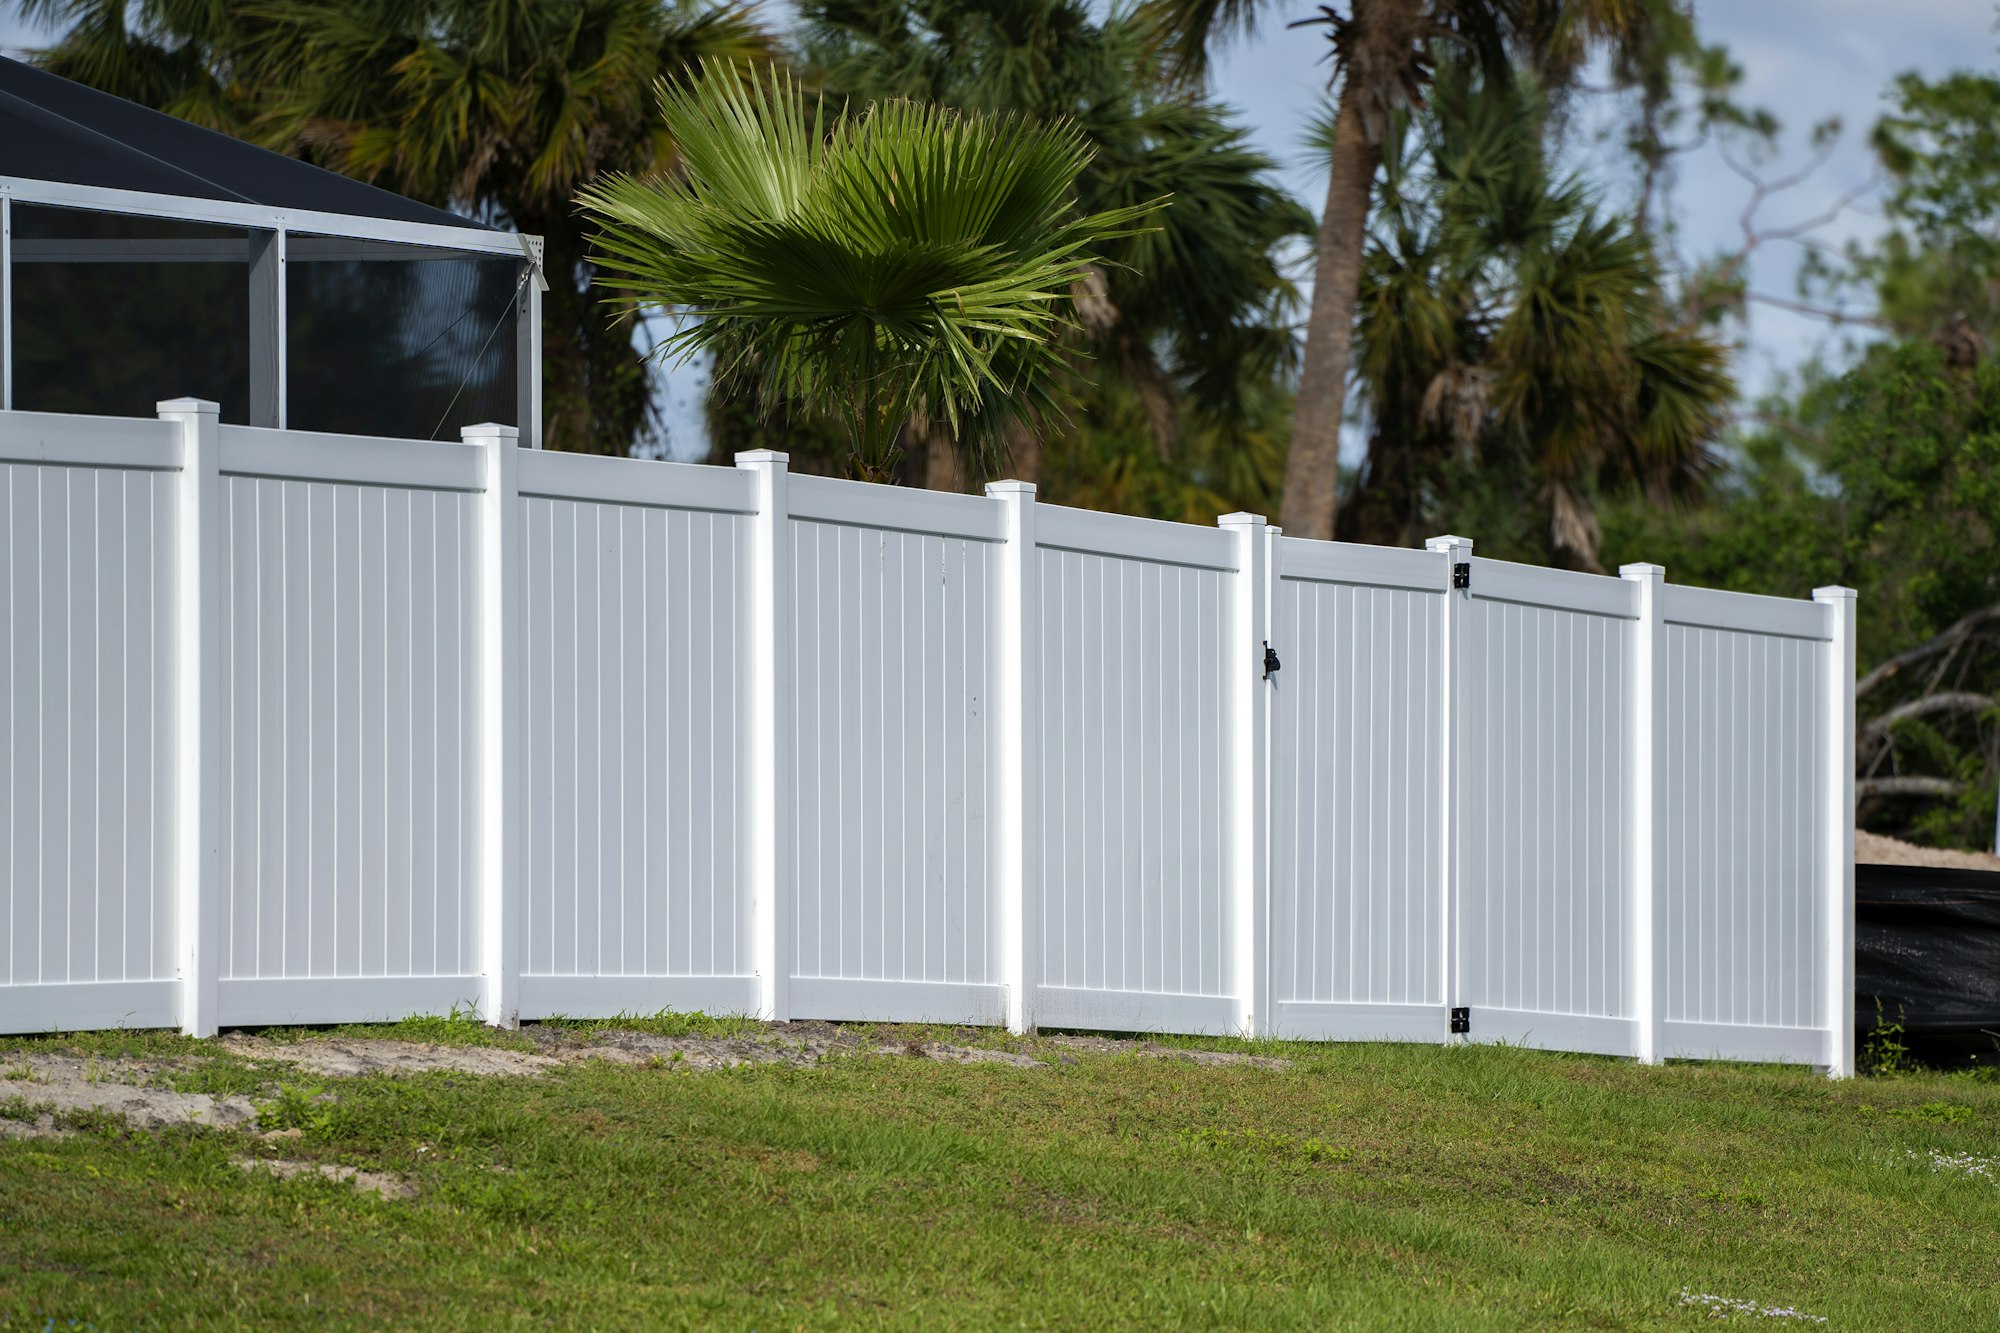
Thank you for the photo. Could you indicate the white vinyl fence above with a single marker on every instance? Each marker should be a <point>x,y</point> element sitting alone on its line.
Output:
<point>307,728</point>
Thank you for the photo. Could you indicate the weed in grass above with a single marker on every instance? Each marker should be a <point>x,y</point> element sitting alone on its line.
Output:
<point>307,1108</point>
<point>19,1074</point>
<point>18,1107</point>
<point>1939,1113</point>
<point>1884,1053</point>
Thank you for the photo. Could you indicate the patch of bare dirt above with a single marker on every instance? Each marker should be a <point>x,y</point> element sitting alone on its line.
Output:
<point>963,1055</point>
<point>55,1086</point>
<point>65,1083</point>
<point>1875,849</point>
<point>350,1057</point>
<point>388,1186</point>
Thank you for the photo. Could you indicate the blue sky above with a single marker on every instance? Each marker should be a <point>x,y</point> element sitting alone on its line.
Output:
<point>1804,59</point>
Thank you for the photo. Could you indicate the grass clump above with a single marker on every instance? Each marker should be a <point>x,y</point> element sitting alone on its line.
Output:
<point>665,1023</point>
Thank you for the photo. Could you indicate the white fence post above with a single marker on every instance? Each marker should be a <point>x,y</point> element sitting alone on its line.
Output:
<point>500,650</point>
<point>1457,551</point>
<point>1645,711</point>
<point>1017,715</point>
<point>198,713</point>
<point>1838,852</point>
<point>768,669</point>
<point>1248,770</point>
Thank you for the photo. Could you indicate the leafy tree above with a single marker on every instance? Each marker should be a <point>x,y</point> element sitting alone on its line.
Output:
<point>1507,327</point>
<point>1886,479</point>
<point>1194,309</point>
<point>1936,271</point>
<point>908,263</point>
<point>1383,54</point>
<point>501,111</point>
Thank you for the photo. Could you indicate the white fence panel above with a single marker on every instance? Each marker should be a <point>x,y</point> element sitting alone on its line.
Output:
<point>1542,770</point>
<point>892,754</point>
<point>1743,861</point>
<point>346,645</point>
<point>1358,873</point>
<point>633,890</point>
<point>1132,873</point>
<point>306,728</point>
<point>86,734</point>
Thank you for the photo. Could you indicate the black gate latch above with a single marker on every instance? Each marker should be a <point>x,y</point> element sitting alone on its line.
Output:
<point>1461,574</point>
<point>1271,662</point>
<point>1461,1020</point>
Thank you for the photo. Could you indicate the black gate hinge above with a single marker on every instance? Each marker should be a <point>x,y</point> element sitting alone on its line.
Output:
<point>1271,662</point>
<point>1461,574</point>
<point>1461,1019</point>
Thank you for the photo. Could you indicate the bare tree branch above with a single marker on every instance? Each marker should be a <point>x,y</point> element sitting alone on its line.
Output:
<point>1831,316</point>
<point>1945,642</point>
<point>1868,787</point>
<point>1950,701</point>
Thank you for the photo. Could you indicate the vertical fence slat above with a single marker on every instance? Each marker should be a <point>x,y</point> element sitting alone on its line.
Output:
<point>1837,856</point>
<point>1016,706</point>
<point>1246,772</point>
<point>1645,714</point>
<point>770,775</point>
<point>198,735</point>
<point>500,648</point>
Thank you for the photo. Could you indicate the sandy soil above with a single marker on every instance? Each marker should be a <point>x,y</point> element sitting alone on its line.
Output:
<point>1874,849</point>
<point>384,1183</point>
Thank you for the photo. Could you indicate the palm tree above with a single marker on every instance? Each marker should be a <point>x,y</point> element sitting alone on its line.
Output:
<point>1383,53</point>
<point>1177,314</point>
<point>500,111</point>
<point>1501,318</point>
<point>902,265</point>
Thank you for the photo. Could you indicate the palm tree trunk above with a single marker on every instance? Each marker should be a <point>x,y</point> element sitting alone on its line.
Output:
<point>1312,469</point>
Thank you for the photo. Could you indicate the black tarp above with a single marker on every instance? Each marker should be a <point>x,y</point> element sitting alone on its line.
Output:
<point>55,130</point>
<point>1927,944</point>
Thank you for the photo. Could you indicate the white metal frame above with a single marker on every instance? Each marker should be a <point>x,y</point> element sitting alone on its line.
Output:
<point>282,221</point>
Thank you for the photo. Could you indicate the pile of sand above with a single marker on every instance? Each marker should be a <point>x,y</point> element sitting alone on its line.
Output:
<point>1874,849</point>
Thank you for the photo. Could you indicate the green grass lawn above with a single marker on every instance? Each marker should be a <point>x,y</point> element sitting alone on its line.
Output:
<point>1364,1187</point>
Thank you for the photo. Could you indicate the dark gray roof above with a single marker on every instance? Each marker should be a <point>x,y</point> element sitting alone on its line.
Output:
<point>55,130</point>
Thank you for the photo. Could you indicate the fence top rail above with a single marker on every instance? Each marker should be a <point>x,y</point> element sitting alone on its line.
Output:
<point>1557,589</point>
<point>1372,566</point>
<point>1712,608</point>
<point>1121,535</point>
<point>365,460</point>
<point>936,513</point>
<point>637,481</point>
<point>61,439</point>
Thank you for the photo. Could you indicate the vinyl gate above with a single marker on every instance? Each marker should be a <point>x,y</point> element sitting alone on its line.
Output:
<point>304,728</point>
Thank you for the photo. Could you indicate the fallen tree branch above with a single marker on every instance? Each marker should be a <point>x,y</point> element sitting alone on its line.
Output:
<point>1948,701</point>
<point>1944,642</point>
<point>1868,787</point>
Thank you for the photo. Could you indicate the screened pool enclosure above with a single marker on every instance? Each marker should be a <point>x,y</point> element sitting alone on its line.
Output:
<point>142,257</point>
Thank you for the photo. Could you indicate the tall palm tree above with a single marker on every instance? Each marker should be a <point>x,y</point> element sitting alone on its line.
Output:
<point>1383,53</point>
<point>907,263</point>
<point>1176,312</point>
<point>499,110</point>
<point>1501,318</point>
